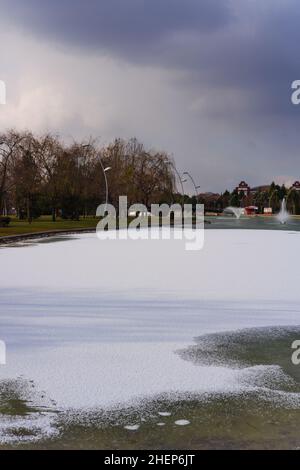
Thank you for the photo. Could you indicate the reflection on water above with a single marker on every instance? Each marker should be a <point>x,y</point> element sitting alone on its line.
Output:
<point>267,417</point>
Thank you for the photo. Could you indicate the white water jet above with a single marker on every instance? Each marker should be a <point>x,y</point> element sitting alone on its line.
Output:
<point>283,215</point>
<point>237,211</point>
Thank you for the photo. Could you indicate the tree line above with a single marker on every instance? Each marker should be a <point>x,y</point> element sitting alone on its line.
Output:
<point>266,196</point>
<point>43,175</point>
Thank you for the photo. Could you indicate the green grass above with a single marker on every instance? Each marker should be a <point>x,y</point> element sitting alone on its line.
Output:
<point>45,224</point>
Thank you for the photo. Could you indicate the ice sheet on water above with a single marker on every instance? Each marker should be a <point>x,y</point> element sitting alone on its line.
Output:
<point>97,324</point>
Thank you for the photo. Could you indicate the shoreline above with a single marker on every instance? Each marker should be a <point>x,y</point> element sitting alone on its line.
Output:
<point>6,240</point>
<point>10,239</point>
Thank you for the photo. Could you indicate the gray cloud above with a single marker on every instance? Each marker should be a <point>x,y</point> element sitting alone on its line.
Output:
<point>219,43</point>
<point>120,25</point>
<point>230,64</point>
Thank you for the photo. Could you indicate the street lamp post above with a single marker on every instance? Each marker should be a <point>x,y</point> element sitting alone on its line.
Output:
<point>105,170</point>
<point>194,184</point>
<point>181,180</point>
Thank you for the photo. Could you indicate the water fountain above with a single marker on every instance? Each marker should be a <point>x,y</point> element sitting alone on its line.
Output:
<point>283,215</point>
<point>237,211</point>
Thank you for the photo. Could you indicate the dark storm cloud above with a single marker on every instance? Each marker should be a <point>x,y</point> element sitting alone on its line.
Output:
<point>116,24</point>
<point>236,60</point>
<point>223,44</point>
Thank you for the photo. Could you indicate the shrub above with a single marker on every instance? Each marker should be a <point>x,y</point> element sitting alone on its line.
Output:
<point>4,221</point>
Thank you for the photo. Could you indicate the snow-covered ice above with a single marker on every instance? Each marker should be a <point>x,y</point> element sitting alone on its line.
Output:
<point>233,265</point>
<point>98,323</point>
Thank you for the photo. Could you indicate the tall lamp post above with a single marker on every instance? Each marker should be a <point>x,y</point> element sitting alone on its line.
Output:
<point>105,170</point>
<point>181,180</point>
<point>194,184</point>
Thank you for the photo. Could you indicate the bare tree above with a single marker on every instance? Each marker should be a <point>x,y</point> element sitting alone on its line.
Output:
<point>9,148</point>
<point>26,175</point>
<point>48,150</point>
<point>43,172</point>
<point>143,176</point>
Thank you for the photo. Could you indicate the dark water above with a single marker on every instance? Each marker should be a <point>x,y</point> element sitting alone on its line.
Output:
<point>252,223</point>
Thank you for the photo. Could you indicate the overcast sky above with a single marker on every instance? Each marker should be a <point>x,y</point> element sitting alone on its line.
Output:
<point>209,81</point>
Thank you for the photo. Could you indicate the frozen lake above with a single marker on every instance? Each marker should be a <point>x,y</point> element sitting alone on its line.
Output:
<point>96,325</point>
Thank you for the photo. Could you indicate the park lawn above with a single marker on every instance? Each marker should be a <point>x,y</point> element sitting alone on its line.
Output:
<point>45,224</point>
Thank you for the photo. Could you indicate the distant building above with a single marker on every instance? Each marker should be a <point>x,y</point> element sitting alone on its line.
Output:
<point>268,210</point>
<point>296,186</point>
<point>243,188</point>
<point>260,189</point>
<point>251,210</point>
